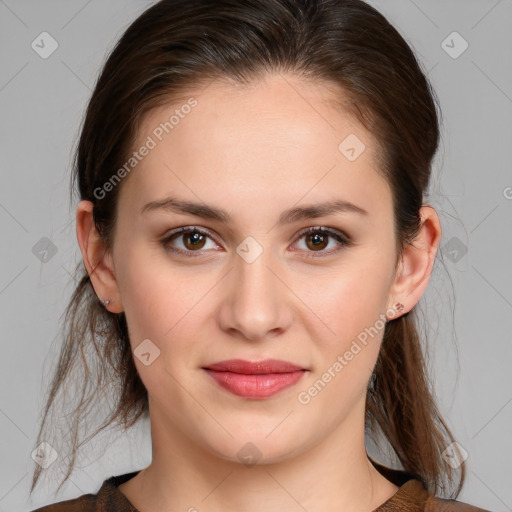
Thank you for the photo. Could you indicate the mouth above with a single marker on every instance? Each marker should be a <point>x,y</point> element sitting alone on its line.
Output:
<point>259,379</point>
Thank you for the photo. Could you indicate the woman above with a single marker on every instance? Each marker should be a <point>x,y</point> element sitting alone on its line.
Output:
<point>255,240</point>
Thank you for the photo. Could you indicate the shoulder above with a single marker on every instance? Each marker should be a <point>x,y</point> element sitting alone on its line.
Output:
<point>108,498</point>
<point>84,503</point>
<point>413,496</point>
<point>435,504</point>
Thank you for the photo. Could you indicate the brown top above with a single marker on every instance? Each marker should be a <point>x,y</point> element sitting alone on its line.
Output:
<point>411,496</point>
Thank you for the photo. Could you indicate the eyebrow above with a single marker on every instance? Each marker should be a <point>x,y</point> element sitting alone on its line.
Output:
<point>205,211</point>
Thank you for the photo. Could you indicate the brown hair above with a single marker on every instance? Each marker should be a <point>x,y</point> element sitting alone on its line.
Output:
<point>178,44</point>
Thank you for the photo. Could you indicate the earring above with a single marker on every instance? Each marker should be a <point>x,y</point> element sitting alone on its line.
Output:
<point>397,306</point>
<point>105,302</point>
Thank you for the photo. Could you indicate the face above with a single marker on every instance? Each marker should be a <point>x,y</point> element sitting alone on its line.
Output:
<point>251,283</point>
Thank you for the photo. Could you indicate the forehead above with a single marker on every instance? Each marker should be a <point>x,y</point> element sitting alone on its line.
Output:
<point>274,140</point>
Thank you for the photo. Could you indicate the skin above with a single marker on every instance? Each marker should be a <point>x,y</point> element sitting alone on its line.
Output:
<point>256,151</point>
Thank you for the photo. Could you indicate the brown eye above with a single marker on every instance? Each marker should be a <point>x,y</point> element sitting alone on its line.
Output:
<point>193,240</point>
<point>189,241</point>
<point>317,241</point>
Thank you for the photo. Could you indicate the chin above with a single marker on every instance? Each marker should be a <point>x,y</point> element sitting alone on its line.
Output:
<point>256,447</point>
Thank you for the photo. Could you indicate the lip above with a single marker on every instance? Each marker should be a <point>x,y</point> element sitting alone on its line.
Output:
<point>254,368</point>
<point>260,379</point>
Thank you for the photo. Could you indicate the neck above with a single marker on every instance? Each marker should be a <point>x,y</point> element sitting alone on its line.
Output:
<point>335,474</point>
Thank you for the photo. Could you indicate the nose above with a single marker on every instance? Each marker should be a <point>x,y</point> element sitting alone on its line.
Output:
<point>257,303</point>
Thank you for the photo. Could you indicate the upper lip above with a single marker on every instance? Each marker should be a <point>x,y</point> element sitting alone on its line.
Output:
<point>256,367</point>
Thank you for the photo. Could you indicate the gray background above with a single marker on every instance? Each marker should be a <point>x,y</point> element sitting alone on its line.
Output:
<point>41,104</point>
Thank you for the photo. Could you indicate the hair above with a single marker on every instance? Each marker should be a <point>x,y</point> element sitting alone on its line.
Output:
<point>176,45</point>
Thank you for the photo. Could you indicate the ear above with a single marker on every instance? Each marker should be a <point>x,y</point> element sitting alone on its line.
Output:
<point>97,260</point>
<point>415,268</point>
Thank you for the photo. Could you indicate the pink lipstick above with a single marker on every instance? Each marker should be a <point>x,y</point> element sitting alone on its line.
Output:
<point>259,379</point>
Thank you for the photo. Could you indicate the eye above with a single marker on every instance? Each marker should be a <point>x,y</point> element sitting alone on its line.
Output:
<point>317,239</point>
<point>192,239</point>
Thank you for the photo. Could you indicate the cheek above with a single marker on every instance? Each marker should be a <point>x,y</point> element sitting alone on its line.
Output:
<point>350,305</point>
<point>144,292</point>
<point>345,301</point>
<point>162,302</point>
<point>348,342</point>
<point>159,306</point>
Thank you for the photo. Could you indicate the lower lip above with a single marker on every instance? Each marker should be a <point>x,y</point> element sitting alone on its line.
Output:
<point>255,386</point>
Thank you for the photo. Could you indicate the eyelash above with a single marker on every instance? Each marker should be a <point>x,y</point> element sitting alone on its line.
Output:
<point>344,240</point>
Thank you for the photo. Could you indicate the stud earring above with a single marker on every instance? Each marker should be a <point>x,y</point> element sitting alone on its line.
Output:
<point>105,302</point>
<point>397,307</point>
